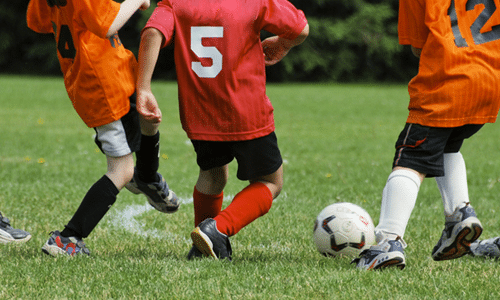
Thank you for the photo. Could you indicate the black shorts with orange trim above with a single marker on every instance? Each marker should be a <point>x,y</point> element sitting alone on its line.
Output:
<point>421,148</point>
<point>257,157</point>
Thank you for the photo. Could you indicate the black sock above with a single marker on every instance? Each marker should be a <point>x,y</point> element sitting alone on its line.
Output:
<point>94,206</point>
<point>148,158</point>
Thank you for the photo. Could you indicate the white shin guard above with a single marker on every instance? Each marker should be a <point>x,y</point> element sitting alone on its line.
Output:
<point>398,200</point>
<point>453,185</point>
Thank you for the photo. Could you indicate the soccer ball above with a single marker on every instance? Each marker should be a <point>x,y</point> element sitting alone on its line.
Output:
<point>343,229</point>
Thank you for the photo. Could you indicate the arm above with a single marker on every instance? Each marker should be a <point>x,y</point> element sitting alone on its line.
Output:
<point>127,9</point>
<point>149,49</point>
<point>275,47</point>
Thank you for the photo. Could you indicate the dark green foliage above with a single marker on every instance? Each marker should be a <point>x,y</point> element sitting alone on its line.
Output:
<point>350,40</point>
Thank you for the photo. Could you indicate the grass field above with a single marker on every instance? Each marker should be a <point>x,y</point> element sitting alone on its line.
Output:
<point>337,143</point>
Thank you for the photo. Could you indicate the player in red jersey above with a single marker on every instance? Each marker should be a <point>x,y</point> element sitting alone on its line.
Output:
<point>453,95</point>
<point>220,63</point>
<point>99,75</point>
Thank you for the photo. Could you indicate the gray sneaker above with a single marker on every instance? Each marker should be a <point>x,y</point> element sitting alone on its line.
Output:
<point>387,253</point>
<point>488,248</point>
<point>460,230</point>
<point>210,241</point>
<point>11,235</point>
<point>159,195</point>
<point>59,245</point>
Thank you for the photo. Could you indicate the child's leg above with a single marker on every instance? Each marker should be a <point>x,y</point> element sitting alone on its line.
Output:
<point>120,170</point>
<point>206,206</point>
<point>251,203</point>
<point>208,193</point>
<point>398,200</point>
<point>118,140</point>
<point>453,185</point>
<point>100,197</point>
<point>148,156</point>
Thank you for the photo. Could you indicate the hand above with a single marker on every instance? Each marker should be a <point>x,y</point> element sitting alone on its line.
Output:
<point>148,107</point>
<point>145,5</point>
<point>274,50</point>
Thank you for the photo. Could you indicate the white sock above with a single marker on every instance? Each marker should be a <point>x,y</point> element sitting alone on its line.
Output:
<point>453,185</point>
<point>398,200</point>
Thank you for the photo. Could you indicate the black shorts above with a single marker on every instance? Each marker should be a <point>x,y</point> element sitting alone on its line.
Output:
<point>257,157</point>
<point>421,148</point>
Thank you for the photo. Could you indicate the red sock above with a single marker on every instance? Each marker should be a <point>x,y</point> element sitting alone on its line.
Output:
<point>206,206</point>
<point>251,203</point>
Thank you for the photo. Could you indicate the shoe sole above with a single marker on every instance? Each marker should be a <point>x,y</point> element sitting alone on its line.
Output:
<point>134,189</point>
<point>4,239</point>
<point>166,209</point>
<point>461,245</point>
<point>203,243</point>
<point>395,262</point>
<point>53,250</point>
<point>387,263</point>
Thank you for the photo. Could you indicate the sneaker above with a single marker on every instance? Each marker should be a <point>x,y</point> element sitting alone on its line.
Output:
<point>488,248</point>
<point>194,253</point>
<point>9,234</point>
<point>59,245</point>
<point>460,230</point>
<point>158,193</point>
<point>387,253</point>
<point>210,241</point>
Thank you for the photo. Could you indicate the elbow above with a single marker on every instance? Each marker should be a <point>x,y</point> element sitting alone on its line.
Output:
<point>303,35</point>
<point>305,31</point>
<point>152,34</point>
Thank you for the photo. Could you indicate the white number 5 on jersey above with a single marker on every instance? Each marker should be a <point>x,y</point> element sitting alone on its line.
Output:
<point>197,34</point>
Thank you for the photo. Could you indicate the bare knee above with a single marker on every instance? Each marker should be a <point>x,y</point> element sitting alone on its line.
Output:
<point>273,181</point>
<point>213,181</point>
<point>120,170</point>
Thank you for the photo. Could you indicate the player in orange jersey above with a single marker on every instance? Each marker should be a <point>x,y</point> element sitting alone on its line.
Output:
<point>220,64</point>
<point>99,75</point>
<point>453,95</point>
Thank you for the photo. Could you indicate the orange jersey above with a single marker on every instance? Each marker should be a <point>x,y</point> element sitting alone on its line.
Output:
<point>99,73</point>
<point>459,71</point>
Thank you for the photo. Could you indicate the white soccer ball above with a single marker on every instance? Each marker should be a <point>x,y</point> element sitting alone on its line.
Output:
<point>343,229</point>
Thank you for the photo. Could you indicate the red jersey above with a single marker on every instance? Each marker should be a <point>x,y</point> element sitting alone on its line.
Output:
<point>459,72</point>
<point>99,73</point>
<point>220,62</point>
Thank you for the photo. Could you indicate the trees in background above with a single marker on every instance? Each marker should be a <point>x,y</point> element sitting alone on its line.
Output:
<point>349,41</point>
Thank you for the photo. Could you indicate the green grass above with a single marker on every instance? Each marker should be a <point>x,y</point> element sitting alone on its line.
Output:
<point>338,144</point>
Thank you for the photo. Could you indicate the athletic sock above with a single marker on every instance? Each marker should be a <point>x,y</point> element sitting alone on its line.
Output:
<point>453,185</point>
<point>251,203</point>
<point>398,200</point>
<point>94,206</point>
<point>206,206</point>
<point>148,158</point>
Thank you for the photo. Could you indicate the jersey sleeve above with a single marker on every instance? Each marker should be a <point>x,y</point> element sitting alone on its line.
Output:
<point>411,23</point>
<point>162,19</point>
<point>97,15</point>
<point>38,16</point>
<point>282,18</point>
